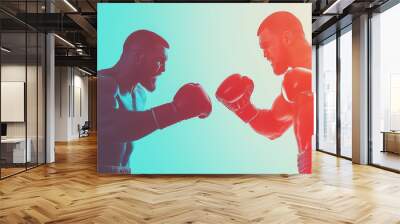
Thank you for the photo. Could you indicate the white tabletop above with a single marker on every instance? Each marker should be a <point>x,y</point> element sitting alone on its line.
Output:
<point>13,140</point>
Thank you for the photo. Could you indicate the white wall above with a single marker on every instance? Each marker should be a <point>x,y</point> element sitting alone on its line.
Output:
<point>33,127</point>
<point>11,73</point>
<point>80,109</point>
<point>71,94</point>
<point>62,81</point>
<point>16,73</point>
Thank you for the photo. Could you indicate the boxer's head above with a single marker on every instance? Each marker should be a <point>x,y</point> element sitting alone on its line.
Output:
<point>144,57</point>
<point>279,34</point>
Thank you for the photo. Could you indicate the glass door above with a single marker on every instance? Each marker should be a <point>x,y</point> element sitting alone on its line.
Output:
<point>327,96</point>
<point>385,90</point>
<point>346,93</point>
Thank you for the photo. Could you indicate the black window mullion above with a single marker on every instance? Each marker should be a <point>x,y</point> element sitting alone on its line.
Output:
<point>338,81</point>
<point>45,94</point>
<point>73,92</point>
<point>37,90</point>
<point>1,163</point>
<point>369,95</point>
<point>26,87</point>
<point>44,76</point>
<point>317,97</point>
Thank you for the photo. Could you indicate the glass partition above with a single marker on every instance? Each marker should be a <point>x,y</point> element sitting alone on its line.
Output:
<point>346,93</point>
<point>327,96</point>
<point>385,90</point>
<point>22,77</point>
<point>14,153</point>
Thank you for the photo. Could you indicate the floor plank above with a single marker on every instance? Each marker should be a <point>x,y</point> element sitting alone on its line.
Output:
<point>70,191</point>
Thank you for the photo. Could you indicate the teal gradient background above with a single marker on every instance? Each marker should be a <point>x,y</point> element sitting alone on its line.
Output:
<point>207,42</point>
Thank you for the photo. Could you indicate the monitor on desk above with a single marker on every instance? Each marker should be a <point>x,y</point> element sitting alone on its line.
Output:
<point>3,130</point>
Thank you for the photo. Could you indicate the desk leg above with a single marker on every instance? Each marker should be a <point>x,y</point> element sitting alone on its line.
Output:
<point>384,142</point>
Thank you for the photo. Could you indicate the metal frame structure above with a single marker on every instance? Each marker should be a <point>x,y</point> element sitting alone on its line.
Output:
<point>337,29</point>
<point>44,74</point>
<point>336,38</point>
<point>380,9</point>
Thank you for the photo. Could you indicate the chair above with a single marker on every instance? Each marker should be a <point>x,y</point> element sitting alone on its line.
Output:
<point>84,130</point>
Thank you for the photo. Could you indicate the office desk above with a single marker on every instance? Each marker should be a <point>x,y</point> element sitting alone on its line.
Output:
<point>13,150</point>
<point>391,141</point>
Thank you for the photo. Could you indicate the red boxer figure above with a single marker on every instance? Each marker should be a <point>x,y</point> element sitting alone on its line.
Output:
<point>282,40</point>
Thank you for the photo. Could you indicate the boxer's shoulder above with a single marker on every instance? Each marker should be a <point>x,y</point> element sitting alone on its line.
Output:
<point>296,77</point>
<point>106,82</point>
<point>296,81</point>
<point>297,74</point>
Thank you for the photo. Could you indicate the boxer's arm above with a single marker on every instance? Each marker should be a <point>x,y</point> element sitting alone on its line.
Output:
<point>122,125</point>
<point>273,122</point>
<point>125,126</point>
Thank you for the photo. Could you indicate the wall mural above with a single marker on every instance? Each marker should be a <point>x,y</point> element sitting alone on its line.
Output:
<point>204,88</point>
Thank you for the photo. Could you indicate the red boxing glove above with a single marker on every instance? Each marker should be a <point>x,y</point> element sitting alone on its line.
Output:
<point>235,92</point>
<point>192,101</point>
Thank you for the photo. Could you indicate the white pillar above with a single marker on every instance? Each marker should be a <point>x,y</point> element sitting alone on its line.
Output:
<point>50,93</point>
<point>360,90</point>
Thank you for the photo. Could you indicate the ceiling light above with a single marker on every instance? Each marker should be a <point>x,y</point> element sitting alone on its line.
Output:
<point>5,50</point>
<point>65,41</point>
<point>331,7</point>
<point>70,5</point>
<point>84,71</point>
<point>338,6</point>
<point>79,51</point>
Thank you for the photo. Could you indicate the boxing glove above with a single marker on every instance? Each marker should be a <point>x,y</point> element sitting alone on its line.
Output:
<point>235,92</point>
<point>192,101</point>
<point>189,101</point>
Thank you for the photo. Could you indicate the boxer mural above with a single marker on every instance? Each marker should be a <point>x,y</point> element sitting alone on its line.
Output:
<point>122,118</point>
<point>283,43</point>
<point>158,64</point>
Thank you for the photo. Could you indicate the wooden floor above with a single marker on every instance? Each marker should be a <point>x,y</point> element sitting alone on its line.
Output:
<point>387,159</point>
<point>5,172</point>
<point>70,191</point>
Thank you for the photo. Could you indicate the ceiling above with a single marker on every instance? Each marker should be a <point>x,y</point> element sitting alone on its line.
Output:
<point>75,22</point>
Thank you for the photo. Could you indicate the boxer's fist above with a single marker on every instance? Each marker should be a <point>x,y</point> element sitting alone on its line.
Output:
<point>235,92</point>
<point>192,101</point>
